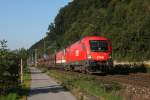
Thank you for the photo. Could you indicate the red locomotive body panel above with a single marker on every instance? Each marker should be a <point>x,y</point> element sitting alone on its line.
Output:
<point>75,53</point>
<point>81,50</point>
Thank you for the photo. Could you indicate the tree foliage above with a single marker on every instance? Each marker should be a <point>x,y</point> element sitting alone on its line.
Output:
<point>125,22</point>
<point>10,67</point>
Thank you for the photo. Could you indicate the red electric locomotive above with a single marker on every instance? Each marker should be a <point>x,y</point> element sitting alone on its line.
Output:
<point>90,54</point>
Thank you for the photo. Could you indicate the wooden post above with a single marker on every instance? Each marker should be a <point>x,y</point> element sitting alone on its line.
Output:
<point>21,71</point>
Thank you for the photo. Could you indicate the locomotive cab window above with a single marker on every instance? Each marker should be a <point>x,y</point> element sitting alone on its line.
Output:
<point>98,45</point>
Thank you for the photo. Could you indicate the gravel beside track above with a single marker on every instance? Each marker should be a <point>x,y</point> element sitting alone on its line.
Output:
<point>138,79</point>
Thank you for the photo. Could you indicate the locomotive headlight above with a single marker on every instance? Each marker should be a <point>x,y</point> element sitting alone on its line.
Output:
<point>89,56</point>
<point>110,56</point>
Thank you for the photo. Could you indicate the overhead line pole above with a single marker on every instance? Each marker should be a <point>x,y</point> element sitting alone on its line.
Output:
<point>35,58</point>
<point>21,70</point>
<point>44,46</point>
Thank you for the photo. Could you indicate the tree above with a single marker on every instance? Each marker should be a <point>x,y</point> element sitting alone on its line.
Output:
<point>9,67</point>
<point>125,22</point>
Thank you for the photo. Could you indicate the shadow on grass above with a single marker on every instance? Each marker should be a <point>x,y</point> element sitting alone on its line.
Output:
<point>13,93</point>
<point>23,91</point>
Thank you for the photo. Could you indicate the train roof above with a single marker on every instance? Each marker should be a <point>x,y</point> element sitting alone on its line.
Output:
<point>94,37</point>
<point>86,38</point>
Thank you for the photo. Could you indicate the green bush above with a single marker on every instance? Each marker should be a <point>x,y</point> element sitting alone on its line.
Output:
<point>9,69</point>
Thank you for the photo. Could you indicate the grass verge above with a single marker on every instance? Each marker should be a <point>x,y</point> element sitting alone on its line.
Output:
<point>148,69</point>
<point>25,85</point>
<point>10,96</point>
<point>86,84</point>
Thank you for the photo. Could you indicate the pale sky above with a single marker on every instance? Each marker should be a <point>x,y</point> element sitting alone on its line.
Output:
<point>24,22</point>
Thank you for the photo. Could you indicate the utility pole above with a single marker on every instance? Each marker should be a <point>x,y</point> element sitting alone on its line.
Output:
<point>32,61</point>
<point>35,58</point>
<point>44,45</point>
<point>21,70</point>
<point>28,61</point>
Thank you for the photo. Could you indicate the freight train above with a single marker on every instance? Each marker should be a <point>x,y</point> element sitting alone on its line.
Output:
<point>91,54</point>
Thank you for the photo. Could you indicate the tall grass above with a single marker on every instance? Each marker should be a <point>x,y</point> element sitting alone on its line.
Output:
<point>148,69</point>
<point>25,86</point>
<point>10,96</point>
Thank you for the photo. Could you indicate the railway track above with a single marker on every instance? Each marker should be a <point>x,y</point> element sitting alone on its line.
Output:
<point>136,79</point>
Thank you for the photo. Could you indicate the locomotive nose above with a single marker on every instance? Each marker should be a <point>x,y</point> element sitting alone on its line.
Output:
<point>100,56</point>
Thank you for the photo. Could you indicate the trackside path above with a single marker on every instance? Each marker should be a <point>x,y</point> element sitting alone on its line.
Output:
<point>44,88</point>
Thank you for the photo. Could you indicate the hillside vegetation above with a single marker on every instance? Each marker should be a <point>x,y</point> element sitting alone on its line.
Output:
<point>125,22</point>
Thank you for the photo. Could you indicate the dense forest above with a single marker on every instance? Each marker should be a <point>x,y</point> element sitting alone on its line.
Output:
<point>125,22</point>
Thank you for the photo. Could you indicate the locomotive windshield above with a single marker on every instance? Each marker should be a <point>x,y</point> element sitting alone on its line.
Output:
<point>98,45</point>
